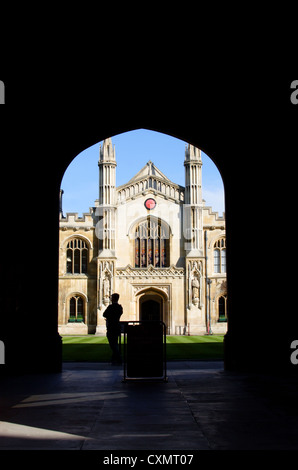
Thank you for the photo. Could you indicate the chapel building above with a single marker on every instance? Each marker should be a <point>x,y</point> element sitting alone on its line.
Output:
<point>151,240</point>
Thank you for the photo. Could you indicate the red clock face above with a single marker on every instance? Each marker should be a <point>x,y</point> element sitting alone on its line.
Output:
<point>150,204</point>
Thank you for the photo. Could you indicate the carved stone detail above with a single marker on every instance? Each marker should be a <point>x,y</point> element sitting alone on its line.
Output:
<point>105,281</point>
<point>137,288</point>
<point>195,270</point>
<point>150,271</point>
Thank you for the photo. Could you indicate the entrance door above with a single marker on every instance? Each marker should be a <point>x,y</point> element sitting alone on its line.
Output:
<point>150,310</point>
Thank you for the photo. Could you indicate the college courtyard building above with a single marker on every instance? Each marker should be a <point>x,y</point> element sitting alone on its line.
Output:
<point>154,242</point>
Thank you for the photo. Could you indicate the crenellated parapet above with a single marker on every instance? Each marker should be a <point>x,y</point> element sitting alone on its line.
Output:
<point>72,221</point>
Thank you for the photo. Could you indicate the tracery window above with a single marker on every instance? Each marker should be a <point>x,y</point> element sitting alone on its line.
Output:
<point>152,244</point>
<point>76,256</point>
<point>76,309</point>
<point>219,256</point>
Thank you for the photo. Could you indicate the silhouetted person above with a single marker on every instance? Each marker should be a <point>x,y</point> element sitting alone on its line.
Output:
<point>112,315</point>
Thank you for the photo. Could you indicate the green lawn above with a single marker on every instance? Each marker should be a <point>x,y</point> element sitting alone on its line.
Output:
<point>96,348</point>
<point>195,347</point>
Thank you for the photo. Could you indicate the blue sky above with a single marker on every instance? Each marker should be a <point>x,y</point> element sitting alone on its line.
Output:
<point>133,150</point>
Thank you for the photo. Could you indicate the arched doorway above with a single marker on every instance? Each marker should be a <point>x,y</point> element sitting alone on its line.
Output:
<point>151,308</point>
<point>153,305</point>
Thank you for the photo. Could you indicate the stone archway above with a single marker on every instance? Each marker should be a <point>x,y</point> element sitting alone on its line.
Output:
<point>151,308</point>
<point>153,304</point>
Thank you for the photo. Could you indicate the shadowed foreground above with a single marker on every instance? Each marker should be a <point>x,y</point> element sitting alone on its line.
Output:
<point>200,407</point>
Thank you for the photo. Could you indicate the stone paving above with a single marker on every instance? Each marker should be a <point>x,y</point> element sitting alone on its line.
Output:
<point>201,407</point>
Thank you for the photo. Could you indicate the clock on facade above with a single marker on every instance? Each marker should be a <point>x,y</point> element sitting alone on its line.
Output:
<point>150,204</point>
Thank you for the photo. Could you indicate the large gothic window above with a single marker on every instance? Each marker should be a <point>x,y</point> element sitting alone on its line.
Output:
<point>219,256</point>
<point>152,244</point>
<point>76,256</point>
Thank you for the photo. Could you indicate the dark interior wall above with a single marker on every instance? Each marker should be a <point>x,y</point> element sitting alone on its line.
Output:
<point>242,128</point>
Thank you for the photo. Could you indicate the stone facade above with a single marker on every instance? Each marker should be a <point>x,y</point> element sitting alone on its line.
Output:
<point>154,242</point>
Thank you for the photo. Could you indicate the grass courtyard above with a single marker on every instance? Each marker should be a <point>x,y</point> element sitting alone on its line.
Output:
<point>96,348</point>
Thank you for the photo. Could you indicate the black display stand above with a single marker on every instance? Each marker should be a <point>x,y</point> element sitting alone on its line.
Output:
<point>144,350</point>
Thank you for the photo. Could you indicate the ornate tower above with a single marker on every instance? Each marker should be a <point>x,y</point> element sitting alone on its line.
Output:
<point>106,227</point>
<point>193,201</point>
<point>193,233</point>
<point>107,198</point>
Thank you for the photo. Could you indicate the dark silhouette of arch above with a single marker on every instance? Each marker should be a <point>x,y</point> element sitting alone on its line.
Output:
<point>225,118</point>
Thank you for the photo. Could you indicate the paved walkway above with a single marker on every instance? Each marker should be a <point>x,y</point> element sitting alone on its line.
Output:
<point>200,407</point>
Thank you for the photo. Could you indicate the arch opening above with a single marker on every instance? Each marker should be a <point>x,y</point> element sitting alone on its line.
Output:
<point>147,232</point>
